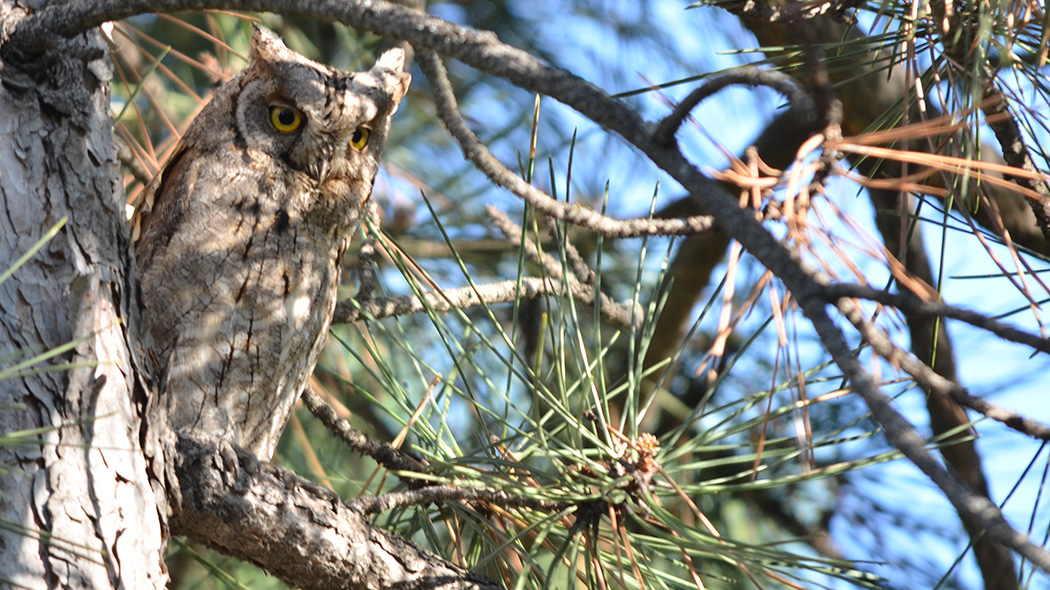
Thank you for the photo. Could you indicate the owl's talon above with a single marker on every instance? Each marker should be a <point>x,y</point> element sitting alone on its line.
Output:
<point>229,466</point>
<point>290,481</point>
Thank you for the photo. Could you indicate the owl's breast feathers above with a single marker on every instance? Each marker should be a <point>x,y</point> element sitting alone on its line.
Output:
<point>241,289</point>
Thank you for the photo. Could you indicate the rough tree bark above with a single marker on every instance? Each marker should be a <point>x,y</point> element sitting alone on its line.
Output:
<point>77,493</point>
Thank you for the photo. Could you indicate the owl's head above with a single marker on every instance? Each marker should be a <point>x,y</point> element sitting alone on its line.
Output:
<point>327,124</point>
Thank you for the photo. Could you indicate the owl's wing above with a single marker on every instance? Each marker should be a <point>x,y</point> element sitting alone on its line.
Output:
<point>147,203</point>
<point>160,213</point>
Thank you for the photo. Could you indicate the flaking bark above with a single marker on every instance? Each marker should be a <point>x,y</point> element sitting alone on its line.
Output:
<point>80,490</point>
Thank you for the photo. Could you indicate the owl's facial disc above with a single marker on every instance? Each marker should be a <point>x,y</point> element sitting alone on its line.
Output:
<point>327,125</point>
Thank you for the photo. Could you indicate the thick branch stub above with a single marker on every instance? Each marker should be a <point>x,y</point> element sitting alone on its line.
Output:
<point>296,529</point>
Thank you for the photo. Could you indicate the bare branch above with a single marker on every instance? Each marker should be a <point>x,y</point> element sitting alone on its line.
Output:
<point>912,304</point>
<point>448,493</point>
<point>782,83</point>
<point>350,311</point>
<point>928,379</point>
<point>478,153</point>
<point>1010,418</point>
<point>384,454</point>
<point>513,233</point>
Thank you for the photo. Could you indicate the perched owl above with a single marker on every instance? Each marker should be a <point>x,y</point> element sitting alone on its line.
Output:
<point>239,239</point>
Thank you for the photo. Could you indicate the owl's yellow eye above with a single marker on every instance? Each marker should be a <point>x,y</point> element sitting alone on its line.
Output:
<point>359,139</point>
<point>285,119</point>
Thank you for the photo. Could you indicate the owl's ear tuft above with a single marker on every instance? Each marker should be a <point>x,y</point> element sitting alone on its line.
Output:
<point>268,48</point>
<point>392,59</point>
<point>390,69</point>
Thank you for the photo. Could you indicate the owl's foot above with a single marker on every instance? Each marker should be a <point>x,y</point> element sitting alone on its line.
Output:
<point>237,465</point>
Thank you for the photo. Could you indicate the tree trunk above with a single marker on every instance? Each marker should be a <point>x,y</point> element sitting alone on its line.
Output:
<point>76,495</point>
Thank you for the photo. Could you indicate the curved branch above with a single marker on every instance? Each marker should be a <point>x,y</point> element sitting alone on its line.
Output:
<point>384,454</point>
<point>782,83</point>
<point>478,153</point>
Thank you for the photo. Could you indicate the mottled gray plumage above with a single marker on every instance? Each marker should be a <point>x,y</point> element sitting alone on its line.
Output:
<point>239,241</point>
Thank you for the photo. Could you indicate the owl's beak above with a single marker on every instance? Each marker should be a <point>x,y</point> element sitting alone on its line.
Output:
<point>323,169</point>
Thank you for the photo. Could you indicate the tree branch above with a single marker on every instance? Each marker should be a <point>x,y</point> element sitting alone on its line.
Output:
<point>782,83</point>
<point>384,454</point>
<point>975,510</point>
<point>928,379</point>
<point>909,303</point>
<point>351,310</point>
<point>478,153</point>
<point>297,530</point>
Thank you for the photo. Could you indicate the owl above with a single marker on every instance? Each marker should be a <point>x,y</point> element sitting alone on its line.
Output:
<point>238,240</point>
